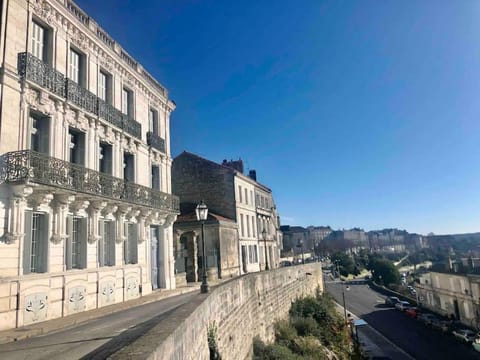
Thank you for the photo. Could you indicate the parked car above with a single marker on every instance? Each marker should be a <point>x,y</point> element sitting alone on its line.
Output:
<point>427,318</point>
<point>402,305</point>
<point>441,325</point>
<point>413,312</point>
<point>476,342</point>
<point>285,263</point>
<point>391,300</point>
<point>465,335</point>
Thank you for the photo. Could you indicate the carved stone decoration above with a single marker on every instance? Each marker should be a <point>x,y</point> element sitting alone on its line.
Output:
<point>78,207</point>
<point>36,306</point>
<point>94,210</point>
<point>40,201</point>
<point>43,10</point>
<point>77,299</point>
<point>131,288</point>
<point>108,212</point>
<point>120,215</point>
<point>142,221</point>
<point>16,214</point>
<point>60,207</point>
<point>107,293</point>
<point>79,39</point>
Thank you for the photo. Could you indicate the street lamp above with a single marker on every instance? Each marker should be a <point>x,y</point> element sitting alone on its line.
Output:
<point>202,213</point>
<point>264,235</point>
<point>343,291</point>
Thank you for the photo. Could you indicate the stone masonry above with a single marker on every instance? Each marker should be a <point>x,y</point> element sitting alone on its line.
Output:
<point>241,309</point>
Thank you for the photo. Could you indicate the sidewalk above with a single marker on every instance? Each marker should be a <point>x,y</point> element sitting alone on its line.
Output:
<point>49,326</point>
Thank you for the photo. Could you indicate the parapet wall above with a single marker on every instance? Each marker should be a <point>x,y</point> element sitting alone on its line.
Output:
<point>240,309</point>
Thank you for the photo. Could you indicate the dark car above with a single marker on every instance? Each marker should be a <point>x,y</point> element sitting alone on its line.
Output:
<point>391,300</point>
<point>428,319</point>
<point>441,325</point>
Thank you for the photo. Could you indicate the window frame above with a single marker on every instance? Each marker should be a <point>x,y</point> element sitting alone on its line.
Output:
<point>77,72</point>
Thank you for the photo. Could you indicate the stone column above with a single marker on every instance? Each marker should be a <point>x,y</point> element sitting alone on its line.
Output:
<point>16,213</point>
<point>59,220</point>
<point>166,258</point>
<point>120,235</point>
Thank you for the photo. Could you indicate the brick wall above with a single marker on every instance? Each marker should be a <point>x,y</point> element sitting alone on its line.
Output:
<point>242,308</point>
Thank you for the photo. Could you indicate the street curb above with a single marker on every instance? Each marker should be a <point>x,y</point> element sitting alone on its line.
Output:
<point>59,324</point>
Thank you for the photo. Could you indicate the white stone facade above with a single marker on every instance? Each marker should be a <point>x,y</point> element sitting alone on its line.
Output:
<point>86,209</point>
<point>451,294</point>
<point>247,224</point>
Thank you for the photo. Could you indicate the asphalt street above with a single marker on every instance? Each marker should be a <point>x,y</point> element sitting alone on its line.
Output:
<point>412,336</point>
<point>95,339</point>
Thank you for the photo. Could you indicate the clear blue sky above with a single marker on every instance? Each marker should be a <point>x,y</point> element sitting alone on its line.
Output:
<point>355,113</point>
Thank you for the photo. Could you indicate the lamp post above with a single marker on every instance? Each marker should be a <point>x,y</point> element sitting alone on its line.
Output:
<point>300,245</point>
<point>264,235</point>
<point>202,213</point>
<point>343,292</point>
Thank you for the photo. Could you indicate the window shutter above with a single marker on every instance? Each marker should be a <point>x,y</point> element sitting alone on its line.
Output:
<point>27,244</point>
<point>68,243</point>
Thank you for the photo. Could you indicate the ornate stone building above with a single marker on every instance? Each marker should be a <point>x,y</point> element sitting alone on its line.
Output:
<point>86,210</point>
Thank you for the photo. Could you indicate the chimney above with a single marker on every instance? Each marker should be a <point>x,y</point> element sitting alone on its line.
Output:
<point>252,174</point>
<point>236,165</point>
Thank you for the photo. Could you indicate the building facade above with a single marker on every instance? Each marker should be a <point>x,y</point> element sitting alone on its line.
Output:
<point>452,295</point>
<point>82,224</point>
<point>231,195</point>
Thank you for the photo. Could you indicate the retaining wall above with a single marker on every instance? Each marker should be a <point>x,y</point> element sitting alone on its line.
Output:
<point>240,309</point>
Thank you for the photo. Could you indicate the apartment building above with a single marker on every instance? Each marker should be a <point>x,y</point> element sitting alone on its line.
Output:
<point>451,295</point>
<point>86,210</point>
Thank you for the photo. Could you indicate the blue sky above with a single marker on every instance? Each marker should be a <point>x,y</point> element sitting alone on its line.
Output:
<point>355,113</point>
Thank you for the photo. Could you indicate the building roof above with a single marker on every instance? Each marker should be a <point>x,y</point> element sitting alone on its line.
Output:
<point>232,170</point>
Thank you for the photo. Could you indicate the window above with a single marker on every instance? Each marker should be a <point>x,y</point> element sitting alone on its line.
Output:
<point>153,121</point>
<point>105,158</point>
<point>105,86</point>
<point>239,193</point>
<point>127,102</point>
<point>106,245</point>
<point>77,146</point>
<point>130,245</point>
<point>253,226</point>
<point>255,254</point>
<point>251,197</point>
<point>128,167</point>
<point>155,177</point>
<point>246,196</point>
<point>36,243</point>
<point>242,225</point>
<point>39,140</point>
<point>76,249</point>
<point>39,41</point>
<point>76,70</point>
<point>248,226</point>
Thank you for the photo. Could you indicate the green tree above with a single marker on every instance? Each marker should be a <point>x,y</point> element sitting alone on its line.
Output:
<point>384,271</point>
<point>345,263</point>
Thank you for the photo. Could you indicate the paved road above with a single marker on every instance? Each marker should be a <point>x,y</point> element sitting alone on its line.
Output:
<point>97,338</point>
<point>419,341</point>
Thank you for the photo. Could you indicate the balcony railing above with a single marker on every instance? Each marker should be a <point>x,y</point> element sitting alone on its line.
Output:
<point>155,141</point>
<point>31,166</point>
<point>35,70</point>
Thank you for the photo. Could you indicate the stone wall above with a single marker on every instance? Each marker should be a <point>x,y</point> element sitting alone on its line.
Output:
<point>241,309</point>
<point>195,179</point>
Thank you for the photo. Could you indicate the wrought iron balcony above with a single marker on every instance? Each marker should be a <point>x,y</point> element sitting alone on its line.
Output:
<point>35,70</point>
<point>30,166</point>
<point>155,141</point>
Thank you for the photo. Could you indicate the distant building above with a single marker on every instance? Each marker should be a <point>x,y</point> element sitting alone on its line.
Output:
<point>238,199</point>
